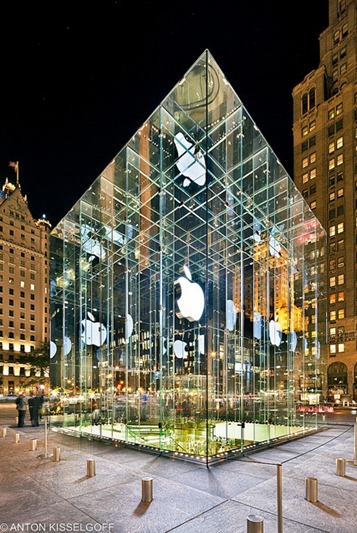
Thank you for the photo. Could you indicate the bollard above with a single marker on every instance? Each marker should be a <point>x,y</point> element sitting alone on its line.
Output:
<point>311,489</point>
<point>17,438</point>
<point>3,432</point>
<point>340,467</point>
<point>146,488</point>
<point>56,454</point>
<point>255,524</point>
<point>90,467</point>
<point>33,445</point>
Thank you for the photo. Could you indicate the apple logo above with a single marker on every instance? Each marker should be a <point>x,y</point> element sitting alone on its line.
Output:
<point>201,344</point>
<point>129,326</point>
<point>292,341</point>
<point>257,323</point>
<point>180,349</point>
<point>231,315</point>
<point>275,333</point>
<point>192,301</point>
<point>53,349</point>
<point>274,247</point>
<point>67,345</point>
<point>190,164</point>
<point>93,332</point>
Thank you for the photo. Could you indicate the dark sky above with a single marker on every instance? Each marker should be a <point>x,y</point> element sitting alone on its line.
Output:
<point>80,77</point>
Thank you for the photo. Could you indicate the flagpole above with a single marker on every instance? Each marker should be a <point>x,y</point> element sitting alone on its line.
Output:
<point>17,173</point>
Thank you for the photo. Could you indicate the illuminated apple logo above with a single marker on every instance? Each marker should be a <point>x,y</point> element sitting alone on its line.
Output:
<point>53,349</point>
<point>275,333</point>
<point>180,349</point>
<point>292,341</point>
<point>192,301</point>
<point>129,326</point>
<point>231,315</point>
<point>190,164</point>
<point>274,247</point>
<point>93,332</point>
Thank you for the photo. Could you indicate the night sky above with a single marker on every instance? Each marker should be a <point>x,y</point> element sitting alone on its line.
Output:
<point>79,78</point>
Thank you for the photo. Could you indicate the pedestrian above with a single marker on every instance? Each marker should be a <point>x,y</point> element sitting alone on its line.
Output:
<point>21,406</point>
<point>34,408</point>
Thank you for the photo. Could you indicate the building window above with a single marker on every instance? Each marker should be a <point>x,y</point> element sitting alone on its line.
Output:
<point>333,281</point>
<point>339,160</point>
<point>313,204</point>
<point>305,162</point>
<point>305,177</point>
<point>341,279</point>
<point>341,296</point>
<point>332,315</point>
<point>332,196</point>
<point>339,143</point>
<point>332,299</point>
<point>340,227</point>
<point>332,231</point>
<point>341,314</point>
<point>313,173</point>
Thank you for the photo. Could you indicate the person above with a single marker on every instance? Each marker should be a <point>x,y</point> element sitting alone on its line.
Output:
<point>34,403</point>
<point>21,406</point>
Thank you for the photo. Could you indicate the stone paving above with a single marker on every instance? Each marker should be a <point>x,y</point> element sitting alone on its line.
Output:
<point>40,493</point>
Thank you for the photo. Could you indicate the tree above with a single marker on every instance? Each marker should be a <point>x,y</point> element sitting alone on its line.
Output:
<point>39,361</point>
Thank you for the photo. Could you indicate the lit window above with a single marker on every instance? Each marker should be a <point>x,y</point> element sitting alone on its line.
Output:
<point>341,296</point>
<point>305,177</point>
<point>340,193</point>
<point>312,125</point>
<point>305,162</point>
<point>339,160</point>
<point>331,164</point>
<point>341,314</point>
<point>339,142</point>
<point>333,348</point>
<point>313,204</point>
<point>313,157</point>
<point>312,173</point>
<point>341,347</point>
<point>333,281</point>
<point>304,131</point>
<point>332,231</point>
<point>332,298</point>
<point>331,147</point>
<point>332,196</point>
<point>340,227</point>
<point>332,315</point>
<point>341,279</point>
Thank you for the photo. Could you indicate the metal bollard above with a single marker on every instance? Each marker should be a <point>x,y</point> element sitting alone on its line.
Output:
<point>33,445</point>
<point>56,454</point>
<point>340,467</point>
<point>3,432</point>
<point>311,490</point>
<point>146,489</point>
<point>17,438</point>
<point>90,467</point>
<point>255,524</point>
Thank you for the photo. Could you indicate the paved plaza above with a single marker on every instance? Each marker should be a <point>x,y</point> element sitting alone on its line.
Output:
<point>47,484</point>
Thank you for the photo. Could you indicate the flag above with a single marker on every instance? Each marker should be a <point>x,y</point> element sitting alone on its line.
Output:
<point>14,165</point>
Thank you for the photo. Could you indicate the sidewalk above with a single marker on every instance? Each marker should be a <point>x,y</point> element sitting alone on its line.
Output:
<point>41,494</point>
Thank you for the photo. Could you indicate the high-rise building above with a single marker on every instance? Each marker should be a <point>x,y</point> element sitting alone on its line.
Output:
<point>24,289</point>
<point>180,285</point>
<point>325,171</point>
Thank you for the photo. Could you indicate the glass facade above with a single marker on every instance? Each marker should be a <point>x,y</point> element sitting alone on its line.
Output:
<point>188,313</point>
